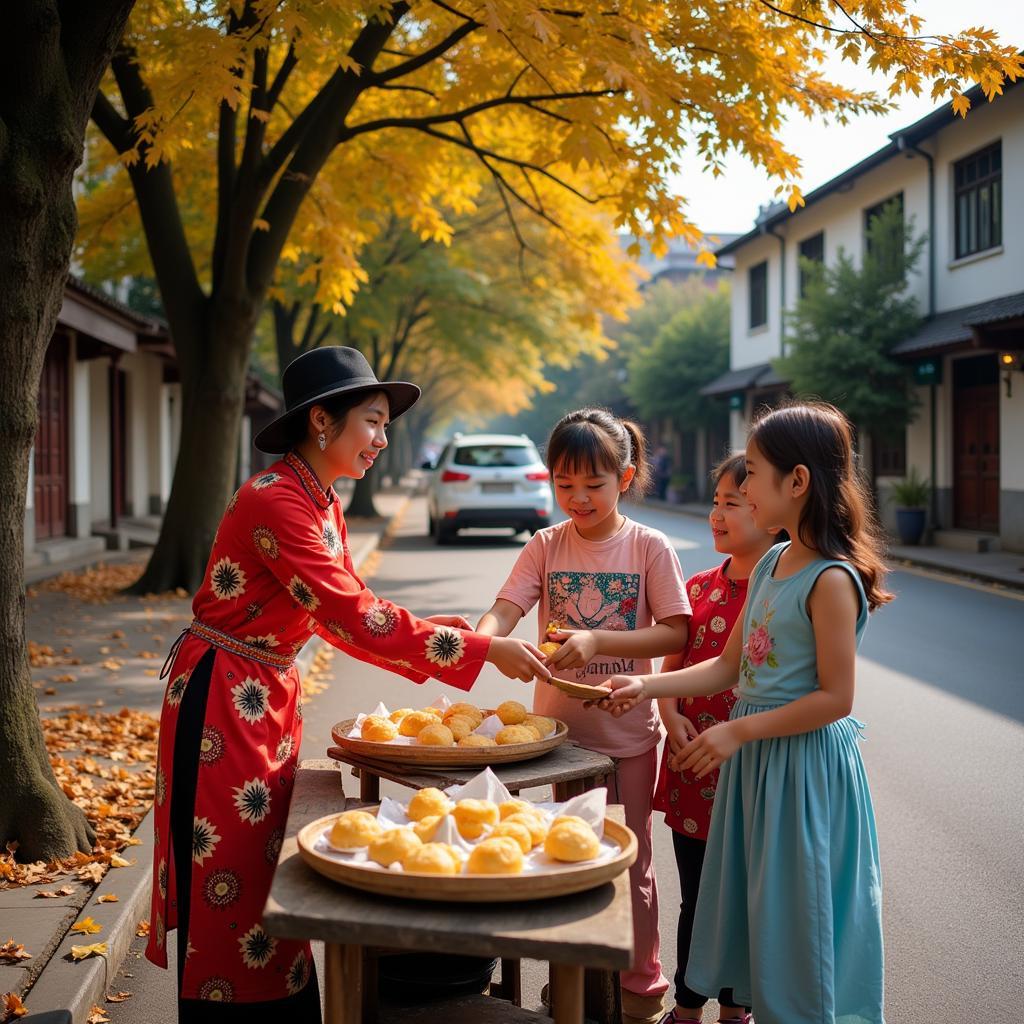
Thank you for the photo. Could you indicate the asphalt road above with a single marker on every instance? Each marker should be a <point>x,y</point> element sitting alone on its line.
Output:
<point>941,688</point>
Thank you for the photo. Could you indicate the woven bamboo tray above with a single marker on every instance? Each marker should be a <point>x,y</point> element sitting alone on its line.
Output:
<point>446,757</point>
<point>581,691</point>
<point>534,885</point>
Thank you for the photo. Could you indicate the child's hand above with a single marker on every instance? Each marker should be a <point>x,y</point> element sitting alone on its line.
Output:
<point>680,731</point>
<point>626,693</point>
<point>707,751</point>
<point>457,621</point>
<point>517,659</point>
<point>578,648</point>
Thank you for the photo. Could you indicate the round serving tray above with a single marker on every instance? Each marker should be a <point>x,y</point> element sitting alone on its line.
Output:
<point>446,757</point>
<point>532,885</point>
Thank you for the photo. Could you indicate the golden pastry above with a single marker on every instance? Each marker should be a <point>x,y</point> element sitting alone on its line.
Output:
<point>353,830</point>
<point>570,817</point>
<point>515,830</point>
<point>395,844</point>
<point>436,712</point>
<point>378,729</point>
<point>457,853</point>
<point>530,728</point>
<point>470,711</point>
<point>460,725</point>
<point>544,725</point>
<point>535,825</point>
<point>427,802</point>
<point>511,712</point>
<point>473,816</point>
<point>436,735</point>
<point>500,856</point>
<point>548,648</point>
<point>397,715</point>
<point>426,828</point>
<point>411,724</point>
<point>431,859</point>
<point>572,841</point>
<point>475,739</point>
<point>516,806</point>
<point>516,734</point>
<point>554,626</point>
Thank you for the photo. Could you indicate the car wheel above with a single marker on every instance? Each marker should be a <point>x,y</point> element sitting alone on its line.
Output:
<point>431,524</point>
<point>442,534</point>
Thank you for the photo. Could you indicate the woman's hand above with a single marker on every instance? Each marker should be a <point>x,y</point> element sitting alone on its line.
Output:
<point>680,731</point>
<point>458,621</point>
<point>707,752</point>
<point>578,648</point>
<point>517,659</point>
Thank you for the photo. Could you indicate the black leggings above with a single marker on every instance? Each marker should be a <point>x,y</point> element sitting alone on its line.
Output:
<point>304,1006</point>
<point>689,860</point>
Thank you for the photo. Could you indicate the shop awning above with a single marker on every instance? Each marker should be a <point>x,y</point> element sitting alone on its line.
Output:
<point>957,326</point>
<point>761,375</point>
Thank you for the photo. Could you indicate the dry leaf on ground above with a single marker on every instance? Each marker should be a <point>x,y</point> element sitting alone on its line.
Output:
<point>55,894</point>
<point>12,1007</point>
<point>118,997</point>
<point>12,952</point>
<point>108,897</point>
<point>97,1015</point>
<point>87,926</point>
<point>84,952</point>
<point>142,930</point>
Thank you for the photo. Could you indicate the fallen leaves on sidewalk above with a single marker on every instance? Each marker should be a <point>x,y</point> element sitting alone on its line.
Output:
<point>12,952</point>
<point>97,1015</point>
<point>118,997</point>
<point>108,897</point>
<point>12,1007</point>
<point>87,926</point>
<point>55,894</point>
<point>84,952</point>
<point>103,582</point>
<point>142,930</point>
<point>314,681</point>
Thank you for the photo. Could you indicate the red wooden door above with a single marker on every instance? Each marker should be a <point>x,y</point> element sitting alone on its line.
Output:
<point>51,445</point>
<point>976,448</point>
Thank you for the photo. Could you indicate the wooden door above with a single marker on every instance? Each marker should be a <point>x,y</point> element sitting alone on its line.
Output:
<point>50,491</point>
<point>976,445</point>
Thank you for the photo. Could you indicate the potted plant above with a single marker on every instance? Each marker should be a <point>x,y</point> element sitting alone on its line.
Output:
<point>677,485</point>
<point>911,495</point>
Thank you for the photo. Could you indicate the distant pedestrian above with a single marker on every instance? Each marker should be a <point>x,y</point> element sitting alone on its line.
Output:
<point>661,463</point>
<point>615,590</point>
<point>789,910</point>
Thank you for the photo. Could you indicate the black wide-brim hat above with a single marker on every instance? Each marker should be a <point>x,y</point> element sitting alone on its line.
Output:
<point>326,373</point>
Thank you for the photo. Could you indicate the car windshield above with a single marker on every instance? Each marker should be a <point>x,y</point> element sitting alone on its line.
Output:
<point>495,455</point>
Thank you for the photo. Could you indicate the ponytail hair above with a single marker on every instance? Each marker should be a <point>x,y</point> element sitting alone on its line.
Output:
<point>596,441</point>
<point>838,519</point>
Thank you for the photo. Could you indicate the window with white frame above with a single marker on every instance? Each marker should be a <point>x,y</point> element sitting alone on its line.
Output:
<point>978,201</point>
<point>758,288</point>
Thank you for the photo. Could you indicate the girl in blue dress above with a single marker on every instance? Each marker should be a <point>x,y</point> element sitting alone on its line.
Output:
<point>790,897</point>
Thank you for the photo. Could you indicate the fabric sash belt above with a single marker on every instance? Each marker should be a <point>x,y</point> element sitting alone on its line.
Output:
<point>228,643</point>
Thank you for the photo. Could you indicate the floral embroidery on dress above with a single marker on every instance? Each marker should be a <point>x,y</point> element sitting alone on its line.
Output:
<point>298,974</point>
<point>303,594</point>
<point>204,839</point>
<point>161,878</point>
<point>227,579</point>
<point>264,643</point>
<point>331,539</point>
<point>222,888</point>
<point>265,541</point>
<point>211,746</point>
<point>250,698</point>
<point>698,640</point>
<point>339,630</point>
<point>252,800</point>
<point>695,592</point>
<point>690,825</point>
<point>265,480</point>
<point>257,947</point>
<point>217,990</point>
<point>253,610</point>
<point>233,503</point>
<point>445,647</point>
<point>176,690</point>
<point>758,647</point>
<point>716,595</point>
<point>273,847</point>
<point>718,624</point>
<point>161,785</point>
<point>380,619</point>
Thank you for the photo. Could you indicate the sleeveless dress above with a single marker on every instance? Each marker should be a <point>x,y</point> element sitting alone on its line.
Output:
<point>789,911</point>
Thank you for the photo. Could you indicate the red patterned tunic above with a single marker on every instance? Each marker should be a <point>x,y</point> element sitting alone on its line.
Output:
<point>717,602</point>
<point>279,571</point>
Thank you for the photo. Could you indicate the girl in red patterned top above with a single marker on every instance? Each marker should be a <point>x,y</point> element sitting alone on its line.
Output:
<point>231,725</point>
<point>717,596</point>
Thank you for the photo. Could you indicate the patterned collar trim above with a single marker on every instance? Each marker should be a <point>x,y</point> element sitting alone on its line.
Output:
<point>322,498</point>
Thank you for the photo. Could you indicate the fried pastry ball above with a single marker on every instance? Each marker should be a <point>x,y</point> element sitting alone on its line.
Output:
<point>516,734</point>
<point>426,828</point>
<point>436,712</point>
<point>412,723</point>
<point>569,817</point>
<point>399,713</point>
<point>548,648</point>
<point>427,802</point>
<point>460,725</point>
<point>475,739</point>
<point>533,823</point>
<point>501,856</point>
<point>432,859</point>
<point>473,816</point>
<point>395,844</point>
<point>436,735</point>
<point>353,830</point>
<point>511,712</point>
<point>515,830</point>
<point>470,711</point>
<point>515,806</point>
<point>544,725</point>
<point>572,841</point>
<point>377,729</point>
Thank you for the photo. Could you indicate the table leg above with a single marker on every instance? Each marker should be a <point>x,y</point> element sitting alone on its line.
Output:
<point>511,985</point>
<point>602,997</point>
<point>567,993</point>
<point>343,984</point>
<point>369,786</point>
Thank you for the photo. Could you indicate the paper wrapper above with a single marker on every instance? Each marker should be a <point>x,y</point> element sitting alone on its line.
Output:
<point>590,806</point>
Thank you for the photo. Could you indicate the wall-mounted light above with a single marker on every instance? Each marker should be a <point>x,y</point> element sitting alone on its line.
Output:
<point>1008,362</point>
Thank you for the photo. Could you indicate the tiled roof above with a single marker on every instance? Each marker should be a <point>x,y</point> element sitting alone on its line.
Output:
<point>955,325</point>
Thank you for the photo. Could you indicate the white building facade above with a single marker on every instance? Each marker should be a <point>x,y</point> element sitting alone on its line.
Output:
<point>961,184</point>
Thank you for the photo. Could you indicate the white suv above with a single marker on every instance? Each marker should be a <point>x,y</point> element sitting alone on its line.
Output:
<point>488,480</point>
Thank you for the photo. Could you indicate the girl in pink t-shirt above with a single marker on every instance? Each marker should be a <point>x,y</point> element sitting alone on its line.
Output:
<point>616,590</point>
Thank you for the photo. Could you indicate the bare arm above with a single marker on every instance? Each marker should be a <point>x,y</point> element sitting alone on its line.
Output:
<point>579,646</point>
<point>502,617</point>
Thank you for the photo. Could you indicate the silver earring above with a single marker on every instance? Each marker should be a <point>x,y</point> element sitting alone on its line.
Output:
<point>321,440</point>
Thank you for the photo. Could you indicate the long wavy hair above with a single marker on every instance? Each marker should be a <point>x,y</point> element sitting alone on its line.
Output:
<point>838,519</point>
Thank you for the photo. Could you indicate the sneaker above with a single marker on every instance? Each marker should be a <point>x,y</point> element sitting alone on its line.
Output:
<point>637,1009</point>
<point>673,1018</point>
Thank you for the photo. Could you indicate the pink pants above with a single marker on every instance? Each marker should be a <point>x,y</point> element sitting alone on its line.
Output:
<point>633,786</point>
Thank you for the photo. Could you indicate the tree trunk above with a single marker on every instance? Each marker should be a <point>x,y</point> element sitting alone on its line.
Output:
<point>213,401</point>
<point>52,59</point>
<point>361,502</point>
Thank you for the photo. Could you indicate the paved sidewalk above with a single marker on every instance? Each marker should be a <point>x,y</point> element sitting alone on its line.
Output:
<point>1003,568</point>
<point>91,658</point>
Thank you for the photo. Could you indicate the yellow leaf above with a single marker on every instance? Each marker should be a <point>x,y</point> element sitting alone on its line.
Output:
<point>260,224</point>
<point>87,926</point>
<point>795,199</point>
<point>107,897</point>
<point>84,952</point>
<point>117,861</point>
<point>12,1006</point>
<point>143,929</point>
<point>706,258</point>
<point>97,1015</point>
<point>961,104</point>
<point>118,997</point>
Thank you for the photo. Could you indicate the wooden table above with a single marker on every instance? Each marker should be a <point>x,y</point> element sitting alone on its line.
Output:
<point>590,929</point>
<point>569,769</point>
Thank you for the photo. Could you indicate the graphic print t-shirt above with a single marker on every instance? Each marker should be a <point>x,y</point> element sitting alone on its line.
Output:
<point>629,581</point>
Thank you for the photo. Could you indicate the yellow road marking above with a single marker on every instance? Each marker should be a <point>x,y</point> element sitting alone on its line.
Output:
<point>1000,590</point>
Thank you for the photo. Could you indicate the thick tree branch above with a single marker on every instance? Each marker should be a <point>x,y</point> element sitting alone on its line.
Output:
<point>427,56</point>
<point>282,76</point>
<point>117,130</point>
